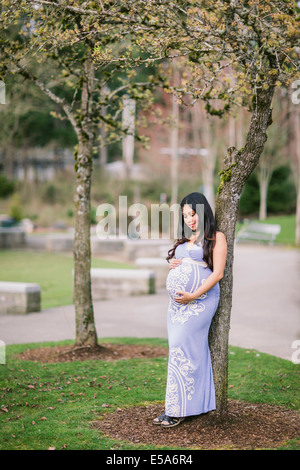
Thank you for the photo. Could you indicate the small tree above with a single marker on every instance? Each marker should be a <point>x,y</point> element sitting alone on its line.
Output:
<point>79,61</point>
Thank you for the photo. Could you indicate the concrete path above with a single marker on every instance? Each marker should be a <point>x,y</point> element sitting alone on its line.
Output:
<point>265,314</point>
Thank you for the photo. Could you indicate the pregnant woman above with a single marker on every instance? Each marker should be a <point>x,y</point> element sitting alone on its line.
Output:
<point>197,263</point>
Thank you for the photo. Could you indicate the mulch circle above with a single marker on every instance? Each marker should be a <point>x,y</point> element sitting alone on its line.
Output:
<point>247,425</point>
<point>107,352</point>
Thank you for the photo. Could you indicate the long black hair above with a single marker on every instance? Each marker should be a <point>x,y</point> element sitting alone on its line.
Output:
<point>206,225</point>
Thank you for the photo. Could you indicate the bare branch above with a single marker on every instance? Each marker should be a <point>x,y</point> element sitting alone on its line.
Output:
<point>23,70</point>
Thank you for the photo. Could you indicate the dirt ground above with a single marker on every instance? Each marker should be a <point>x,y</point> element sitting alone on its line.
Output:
<point>109,352</point>
<point>247,426</point>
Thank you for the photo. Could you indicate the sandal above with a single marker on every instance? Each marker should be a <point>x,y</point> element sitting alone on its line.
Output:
<point>170,422</point>
<point>159,419</point>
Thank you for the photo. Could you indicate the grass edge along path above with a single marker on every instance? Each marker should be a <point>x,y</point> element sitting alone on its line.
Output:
<point>46,405</point>
<point>53,271</point>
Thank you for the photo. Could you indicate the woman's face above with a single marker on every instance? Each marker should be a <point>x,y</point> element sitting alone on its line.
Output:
<point>190,217</point>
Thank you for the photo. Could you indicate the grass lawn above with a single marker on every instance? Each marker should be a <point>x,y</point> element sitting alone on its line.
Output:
<point>53,271</point>
<point>54,405</point>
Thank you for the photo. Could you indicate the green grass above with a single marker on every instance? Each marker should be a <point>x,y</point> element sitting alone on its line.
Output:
<point>54,405</point>
<point>53,271</point>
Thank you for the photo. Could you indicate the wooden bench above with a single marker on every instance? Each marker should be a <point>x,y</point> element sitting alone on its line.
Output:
<point>19,298</point>
<point>112,283</point>
<point>255,231</point>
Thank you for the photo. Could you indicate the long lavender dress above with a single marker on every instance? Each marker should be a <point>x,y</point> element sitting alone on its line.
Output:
<point>190,385</point>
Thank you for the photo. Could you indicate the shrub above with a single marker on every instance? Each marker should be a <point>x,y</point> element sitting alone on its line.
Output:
<point>281,193</point>
<point>50,194</point>
<point>16,211</point>
<point>7,187</point>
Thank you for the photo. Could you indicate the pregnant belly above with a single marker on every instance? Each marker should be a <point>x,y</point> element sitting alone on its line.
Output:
<point>185,277</point>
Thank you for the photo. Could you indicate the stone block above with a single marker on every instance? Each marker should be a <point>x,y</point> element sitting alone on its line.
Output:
<point>112,283</point>
<point>19,298</point>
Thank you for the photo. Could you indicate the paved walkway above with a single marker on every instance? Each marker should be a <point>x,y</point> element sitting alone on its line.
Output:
<point>265,314</point>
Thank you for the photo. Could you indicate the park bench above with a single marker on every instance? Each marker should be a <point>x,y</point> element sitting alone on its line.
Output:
<point>254,231</point>
<point>111,283</point>
<point>19,298</point>
<point>159,265</point>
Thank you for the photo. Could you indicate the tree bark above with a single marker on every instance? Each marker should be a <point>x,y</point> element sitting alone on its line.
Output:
<point>226,214</point>
<point>238,167</point>
<point>85,326</point>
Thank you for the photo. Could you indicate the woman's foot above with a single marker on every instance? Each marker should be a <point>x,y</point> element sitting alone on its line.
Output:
<point>170,422</point>
<point>159,419</point>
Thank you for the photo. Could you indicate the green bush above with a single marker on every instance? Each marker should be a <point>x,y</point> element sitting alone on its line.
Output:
<point>50,194</point>
<point>249,202</point>
<point>281,193</point>
<point>7,187</point>
<point>16,211</point>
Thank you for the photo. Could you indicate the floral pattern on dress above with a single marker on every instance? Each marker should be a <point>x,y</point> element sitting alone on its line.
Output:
<point>180,385</point>
<point>177,280</point>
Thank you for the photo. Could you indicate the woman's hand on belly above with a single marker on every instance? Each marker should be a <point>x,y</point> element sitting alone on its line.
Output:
<point>185,297</point>
<point>173,263</point>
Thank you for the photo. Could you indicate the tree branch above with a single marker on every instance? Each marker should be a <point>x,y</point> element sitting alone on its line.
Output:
<point>23,70</point>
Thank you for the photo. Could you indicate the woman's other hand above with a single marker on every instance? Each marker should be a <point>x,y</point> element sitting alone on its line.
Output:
<point>185,297</point>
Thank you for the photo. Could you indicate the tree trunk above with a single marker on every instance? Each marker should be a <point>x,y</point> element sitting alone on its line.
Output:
<point>238,167</point>
<point>85,325</point>
<point>264,179</point>
<point>226,214</point>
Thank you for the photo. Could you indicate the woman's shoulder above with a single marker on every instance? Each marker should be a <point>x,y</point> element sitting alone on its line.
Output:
<point>178,248</point>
